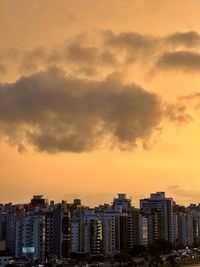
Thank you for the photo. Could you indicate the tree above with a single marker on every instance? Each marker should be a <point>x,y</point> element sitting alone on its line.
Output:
<point>137,250</point>
<point>96,259</point>
<point>124,258</point>
<point>155,261</point>
<point>160,246</point>
<point>172,260</point>
<point>79,257</point>
<point>179,246</point>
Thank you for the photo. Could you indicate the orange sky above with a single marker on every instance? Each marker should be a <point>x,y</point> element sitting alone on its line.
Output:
<point>102,46</point>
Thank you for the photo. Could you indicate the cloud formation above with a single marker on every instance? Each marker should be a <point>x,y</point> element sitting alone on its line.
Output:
<point>186,61</point>
<point>190,195</point>
<point>136,45</point>
<point>189,39</point>
<point>54,112</point>
<point>178,113</point>
<point>99,54</point>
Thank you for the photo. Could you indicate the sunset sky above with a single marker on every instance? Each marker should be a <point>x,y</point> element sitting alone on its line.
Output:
<point>99,98</point>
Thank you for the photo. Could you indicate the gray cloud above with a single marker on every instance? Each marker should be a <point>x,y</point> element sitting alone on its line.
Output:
<point>162,50</point>
<point>186,61</point>
<point>135,44</point>
<point>77,57</point>
<point>31,60</point>
<point>54,112</point>
<point>189,39</point>
<point>109,52</point>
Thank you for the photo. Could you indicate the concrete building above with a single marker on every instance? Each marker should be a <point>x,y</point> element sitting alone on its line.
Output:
<point>159,211</point>
<point>7,228</point>
<point>77,231</point>
<point>92,232</point>
<point>30,237</point>
<point>121,203</point>
<point>143,230</point>
<point>61,231</point>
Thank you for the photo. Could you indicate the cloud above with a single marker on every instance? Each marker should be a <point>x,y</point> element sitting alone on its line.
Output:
<point>190,195</point>
<point>162,50</point>
<point>134,44</point>
<point>99,54</point>
<point>189,39</point>
<point>54,112</point>
<point>31,60</point>
<point>191,100</point>
<point>74,55</point>
<point>178,113</point>
<point>185,61</point>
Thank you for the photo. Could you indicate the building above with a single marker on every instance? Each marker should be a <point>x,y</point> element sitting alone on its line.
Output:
<point>159,211</point>
<point>30,237</point>
<point>92,230</point>
<point>61,231</point>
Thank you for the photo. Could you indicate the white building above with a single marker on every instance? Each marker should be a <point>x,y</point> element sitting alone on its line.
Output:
<point>159,211</point>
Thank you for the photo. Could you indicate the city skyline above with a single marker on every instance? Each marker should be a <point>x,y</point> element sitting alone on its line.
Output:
<point>47,231</point>
<point>98,97</point>
<point>135,204</point>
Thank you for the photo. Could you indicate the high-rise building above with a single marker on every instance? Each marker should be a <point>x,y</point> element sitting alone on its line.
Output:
<point>61,231</point>
<point>143,230</point>
<point>7,227</point>
<point>92,232</point>
<point>159,211</point>
<point>30,236</point>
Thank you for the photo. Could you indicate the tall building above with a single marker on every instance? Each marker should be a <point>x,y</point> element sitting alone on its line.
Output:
<point>143,231</point>
<point>159,211</point>
<point>121,202</point>
<point>194,211</point>
<point>77,231</point>
<point>38,202</point>
<point>30,236</point>
<point>92,232</point>
<point>7,227</point>
<point>120,225</point>
<point>61,231</point>
<point>49,241</point>
<point>184,234</point>
<point>45,231</point>
<point>110,230</point>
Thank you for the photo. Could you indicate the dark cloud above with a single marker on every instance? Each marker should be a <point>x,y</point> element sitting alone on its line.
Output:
<point>104,53</point>
<point>78,53</point>
<point>129,39</point>
<point>31,60</point>
<point>135,44</point>
<point>189,39</point>
<point>186,61</point>
<point>77,57</point>
<point>57,113</point>
<point>89,57</point>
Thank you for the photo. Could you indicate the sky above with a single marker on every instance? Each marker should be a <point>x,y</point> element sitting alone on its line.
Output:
<point>99,98</point>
